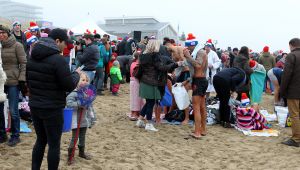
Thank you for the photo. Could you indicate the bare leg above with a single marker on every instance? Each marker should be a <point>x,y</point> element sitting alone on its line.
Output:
<point>203,115</point>
<point>187,116</point>
<point>276,91</point>
<point>197,116</point>
<point>157,113</point>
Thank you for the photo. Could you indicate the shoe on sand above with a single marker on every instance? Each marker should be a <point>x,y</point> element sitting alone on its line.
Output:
<point>140,123</point>
<point>150,127</point>
<point>291,142</point>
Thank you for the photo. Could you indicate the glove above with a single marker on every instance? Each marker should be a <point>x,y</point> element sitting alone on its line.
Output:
<point>23,87</point>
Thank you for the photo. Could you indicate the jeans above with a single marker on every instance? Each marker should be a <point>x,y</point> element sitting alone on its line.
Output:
<point>99,78</point>
<point>2,121</point>
<point>147,110</point>
<point>91,75</point>
<point>271,84</point>
<point>13,101</point>
<point>48,130</point>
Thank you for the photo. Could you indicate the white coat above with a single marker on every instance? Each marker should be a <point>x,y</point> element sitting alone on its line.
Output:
<point>212,59</point>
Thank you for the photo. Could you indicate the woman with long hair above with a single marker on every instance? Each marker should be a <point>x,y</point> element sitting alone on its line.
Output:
<point>153,80</point>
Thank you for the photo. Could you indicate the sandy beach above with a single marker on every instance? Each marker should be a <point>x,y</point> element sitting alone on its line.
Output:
<point>115,143</point>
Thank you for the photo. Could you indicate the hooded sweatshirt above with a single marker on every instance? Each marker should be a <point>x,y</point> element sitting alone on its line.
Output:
<point>48,76</point>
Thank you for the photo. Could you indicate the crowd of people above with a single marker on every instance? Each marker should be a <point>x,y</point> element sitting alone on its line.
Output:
<point>49,66</point>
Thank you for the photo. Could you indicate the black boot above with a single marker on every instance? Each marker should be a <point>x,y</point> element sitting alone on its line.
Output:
<point>82,154</point>
<point>69,156</point>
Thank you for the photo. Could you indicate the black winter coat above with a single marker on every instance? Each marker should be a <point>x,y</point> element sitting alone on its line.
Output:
<point>89,57</point>
<point>234,76</point>
<point>155,68</point>
<point>48,76</point>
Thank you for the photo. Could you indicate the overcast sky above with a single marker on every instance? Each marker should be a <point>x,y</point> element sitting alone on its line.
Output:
<point>254,23</point>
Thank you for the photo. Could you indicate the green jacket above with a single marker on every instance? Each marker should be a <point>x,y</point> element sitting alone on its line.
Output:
<point>267,60</point>
<point>115,75</point>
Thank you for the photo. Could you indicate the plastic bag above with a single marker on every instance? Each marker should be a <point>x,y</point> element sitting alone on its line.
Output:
<point>181,96</point>
<point>167,98</point>
<point>282,114</point>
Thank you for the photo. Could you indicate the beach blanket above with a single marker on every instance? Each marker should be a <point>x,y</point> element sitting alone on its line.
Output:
<point>257,86</point>
<point>264,133</point>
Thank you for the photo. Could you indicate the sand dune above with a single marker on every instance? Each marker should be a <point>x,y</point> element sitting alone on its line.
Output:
<point>115,143</point>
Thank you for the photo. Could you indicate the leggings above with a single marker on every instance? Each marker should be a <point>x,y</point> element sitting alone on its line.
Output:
<point>48,131</point>
<point>81,137</point>
<point>147,110</point>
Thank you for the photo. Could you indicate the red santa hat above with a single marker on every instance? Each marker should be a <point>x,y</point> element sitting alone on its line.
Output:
<point>266,49</point>
<point>120,39</point>
<point>30,39</point>
<point>33,27</point>
<point>253,64</point>
<point>245,101</point>
<point>191,40</point>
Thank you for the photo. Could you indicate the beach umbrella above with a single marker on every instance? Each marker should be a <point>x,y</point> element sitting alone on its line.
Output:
<point>86,95</point>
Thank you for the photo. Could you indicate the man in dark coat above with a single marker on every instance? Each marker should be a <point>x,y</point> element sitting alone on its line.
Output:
<point>49,79</point>
<point>89,57</point>
<point>290,89</point>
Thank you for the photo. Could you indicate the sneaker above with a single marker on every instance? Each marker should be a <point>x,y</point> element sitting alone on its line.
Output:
<point>13,141</point>
<point>291,142</point>
<point>3,139</point>
<point>140,124</point>
<point>150,127</point>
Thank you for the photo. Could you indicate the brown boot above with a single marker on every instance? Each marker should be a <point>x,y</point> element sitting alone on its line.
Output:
<point>82,154</point>
<point>69,156</point>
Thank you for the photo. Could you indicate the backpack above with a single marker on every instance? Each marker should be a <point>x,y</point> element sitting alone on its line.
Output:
<point>175,115</point>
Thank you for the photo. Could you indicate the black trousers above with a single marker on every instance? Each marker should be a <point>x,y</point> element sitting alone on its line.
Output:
<point>48,125</point>
<point>222,88</point>
<point>147,110</point>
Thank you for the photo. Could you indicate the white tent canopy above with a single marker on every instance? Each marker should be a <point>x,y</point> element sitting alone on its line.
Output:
<point>91,26</point>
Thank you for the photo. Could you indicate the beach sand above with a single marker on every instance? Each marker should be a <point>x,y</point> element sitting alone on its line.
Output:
<point>115,143</point>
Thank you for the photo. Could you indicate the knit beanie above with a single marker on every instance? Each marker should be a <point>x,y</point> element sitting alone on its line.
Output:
<point>191,40</point>
<point>33,27</point>
<point>116,63</point>
<point>245,100</point>
<point>5,29</point>
<point>252,64</point>
<point>16,23</point>
<point>30,39</point>
<point>266,49</point>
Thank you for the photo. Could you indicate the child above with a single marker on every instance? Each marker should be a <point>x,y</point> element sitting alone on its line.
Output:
<point>73,102</point>
<point>136,102</point>
<point>234,104</point>
<point>115,77</point>
<point>249,118</point>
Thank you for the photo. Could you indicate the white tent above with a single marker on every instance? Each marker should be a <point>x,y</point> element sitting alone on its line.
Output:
<point>91,26</point>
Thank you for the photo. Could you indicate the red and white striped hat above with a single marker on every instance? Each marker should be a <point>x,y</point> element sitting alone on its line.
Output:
<point>30,39</point>
<point>245,101</point>
<point>33,27</point>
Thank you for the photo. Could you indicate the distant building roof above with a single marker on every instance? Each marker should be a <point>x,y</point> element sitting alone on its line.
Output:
<point>128,28</point>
